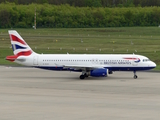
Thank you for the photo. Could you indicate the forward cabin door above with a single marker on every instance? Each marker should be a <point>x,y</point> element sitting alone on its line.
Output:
<point>135,60</point>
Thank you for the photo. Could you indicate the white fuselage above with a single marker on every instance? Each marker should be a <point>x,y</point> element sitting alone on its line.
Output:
<point>115,62</point>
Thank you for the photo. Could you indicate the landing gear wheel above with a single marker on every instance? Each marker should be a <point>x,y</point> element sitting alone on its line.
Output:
<point>85,75</point>
<point>110,72</point>
<point>82,77</point>
<point>135,76</point>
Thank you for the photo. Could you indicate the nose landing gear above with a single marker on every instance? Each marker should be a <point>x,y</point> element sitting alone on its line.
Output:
<point>135,76</point>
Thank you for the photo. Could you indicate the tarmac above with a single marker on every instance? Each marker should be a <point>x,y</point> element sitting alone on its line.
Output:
<point>35,94</point>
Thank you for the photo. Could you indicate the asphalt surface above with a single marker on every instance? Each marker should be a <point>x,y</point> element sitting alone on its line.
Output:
<point>34,94</point>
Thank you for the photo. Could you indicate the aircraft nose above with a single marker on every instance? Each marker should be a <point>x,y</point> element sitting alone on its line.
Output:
<point>154,64</point>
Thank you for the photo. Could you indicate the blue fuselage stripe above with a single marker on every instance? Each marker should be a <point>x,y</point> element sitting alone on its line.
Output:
<point>109,68</point>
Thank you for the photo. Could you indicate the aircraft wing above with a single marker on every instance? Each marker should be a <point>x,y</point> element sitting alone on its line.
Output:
<point>84,67</point>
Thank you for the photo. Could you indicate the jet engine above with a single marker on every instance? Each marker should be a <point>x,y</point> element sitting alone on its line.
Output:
<point>98,72</point>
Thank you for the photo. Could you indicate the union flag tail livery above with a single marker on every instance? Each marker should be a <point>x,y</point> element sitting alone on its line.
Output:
<point>20,48</point>
<point>95,65</point>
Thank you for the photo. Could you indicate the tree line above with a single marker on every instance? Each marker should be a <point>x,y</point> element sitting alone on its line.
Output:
<point>91,3</point>
<point>66,16</point>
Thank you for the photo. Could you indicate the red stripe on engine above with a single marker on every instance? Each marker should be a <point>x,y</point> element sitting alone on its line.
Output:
<point>15,38</point>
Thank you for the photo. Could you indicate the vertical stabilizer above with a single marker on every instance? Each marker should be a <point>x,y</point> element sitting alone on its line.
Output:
<point>19,46</point>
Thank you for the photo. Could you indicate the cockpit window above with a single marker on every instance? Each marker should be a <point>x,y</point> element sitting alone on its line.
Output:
<point>146,60</point>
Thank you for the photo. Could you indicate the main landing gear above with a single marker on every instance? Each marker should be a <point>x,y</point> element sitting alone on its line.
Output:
<point>135,76</point>
<point>83,76</point>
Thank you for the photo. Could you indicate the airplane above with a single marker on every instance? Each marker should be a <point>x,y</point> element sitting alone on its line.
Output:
<point>95,65</point>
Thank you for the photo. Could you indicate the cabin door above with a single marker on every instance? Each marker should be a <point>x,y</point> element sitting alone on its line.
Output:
<point>135,60</point>
<point>35,60</point>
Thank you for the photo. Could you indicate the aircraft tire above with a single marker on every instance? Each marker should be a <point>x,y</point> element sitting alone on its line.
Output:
<point>85,75</point>
<point>135,76</point>
<point>82,77</point>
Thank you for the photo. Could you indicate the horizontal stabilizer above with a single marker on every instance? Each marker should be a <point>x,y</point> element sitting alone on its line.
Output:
<point>12,58</point>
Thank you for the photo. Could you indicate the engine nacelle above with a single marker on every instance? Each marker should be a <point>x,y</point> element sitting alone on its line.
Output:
<point>98,72</point>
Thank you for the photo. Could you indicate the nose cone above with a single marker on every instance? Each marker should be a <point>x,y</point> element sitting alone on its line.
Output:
<point>153,65</point>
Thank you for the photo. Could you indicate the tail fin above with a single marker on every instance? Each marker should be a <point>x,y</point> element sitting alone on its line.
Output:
<point>19,46</point>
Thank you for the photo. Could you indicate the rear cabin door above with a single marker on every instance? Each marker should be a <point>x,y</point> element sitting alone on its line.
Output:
<point>35,60</point>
